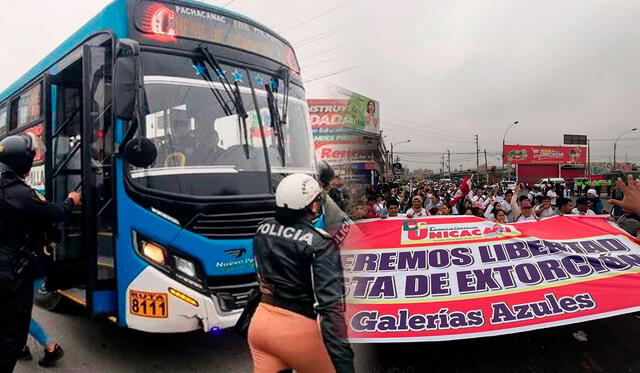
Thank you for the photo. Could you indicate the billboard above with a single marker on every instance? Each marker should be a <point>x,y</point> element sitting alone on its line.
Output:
<point>540,154</point>
<point>333,142</point>
<point>575,139</point>
<point>362,113</point>
<point>345,108</point>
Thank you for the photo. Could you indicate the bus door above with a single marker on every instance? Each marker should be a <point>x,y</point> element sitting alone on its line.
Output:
<point>80,146</point>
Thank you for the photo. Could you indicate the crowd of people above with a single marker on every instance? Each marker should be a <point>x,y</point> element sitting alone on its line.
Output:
<point>495,202</point>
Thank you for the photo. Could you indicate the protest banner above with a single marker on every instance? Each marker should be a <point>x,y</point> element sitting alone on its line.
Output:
<point>444,278</point>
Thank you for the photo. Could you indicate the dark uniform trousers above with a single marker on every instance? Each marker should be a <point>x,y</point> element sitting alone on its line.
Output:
<point>26,220</point>
<point>15,314</point>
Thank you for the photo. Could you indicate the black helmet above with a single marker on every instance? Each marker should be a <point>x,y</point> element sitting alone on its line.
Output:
<point>325,173</point>
<point>17,153</point>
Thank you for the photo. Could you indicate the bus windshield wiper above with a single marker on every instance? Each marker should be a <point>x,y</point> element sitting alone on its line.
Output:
<point>242,119</point>
<point>285,100</point>
<point>204,73</point>
<point>276,121</point>
<point>234,96</point>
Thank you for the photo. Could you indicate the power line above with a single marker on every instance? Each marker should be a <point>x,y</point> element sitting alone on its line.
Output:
<point>310,19</point>
<point>621,139</point>
<point>227,3</point>
<point>432,136</point>
<point>324,52</point>
<point>420,125</point>
<point>332,74</point>
<point>433,153</point>
<point>327,59</point>
<point>322,35</point>
<point>439,131</point>
<point>441,135</point>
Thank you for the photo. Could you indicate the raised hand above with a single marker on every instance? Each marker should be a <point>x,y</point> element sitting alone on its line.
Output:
<point>631,190</point>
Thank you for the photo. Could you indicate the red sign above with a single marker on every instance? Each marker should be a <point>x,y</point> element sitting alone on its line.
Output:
<point>538,154</point>
<point>370,166</point>
<point>454,277</point>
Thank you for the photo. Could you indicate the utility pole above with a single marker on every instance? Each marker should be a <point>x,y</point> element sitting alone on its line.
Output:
<point>477,155</point>
<point>449,163</point>
<point>486,165</point>
<point>589,159</point>
<point>442,163</point>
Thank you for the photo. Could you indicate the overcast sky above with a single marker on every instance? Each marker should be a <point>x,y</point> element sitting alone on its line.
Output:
<point>442,70</point>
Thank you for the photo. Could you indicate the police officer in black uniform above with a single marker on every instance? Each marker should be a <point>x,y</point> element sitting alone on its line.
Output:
<point>299,323</point>
<point>25,220</point>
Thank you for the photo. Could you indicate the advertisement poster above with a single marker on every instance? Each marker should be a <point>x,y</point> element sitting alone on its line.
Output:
<point>36,177</point>
<point>445,278</point>
<point>538,154</point>
<point>362,113</point>
<point>327,113</point>
<point>334,143</point>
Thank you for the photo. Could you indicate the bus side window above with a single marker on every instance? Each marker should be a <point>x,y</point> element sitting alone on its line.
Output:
<point>26,109</point>
<point>3,121</point>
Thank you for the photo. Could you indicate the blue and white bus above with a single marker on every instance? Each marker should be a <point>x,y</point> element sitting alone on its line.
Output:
<point>177,120</point>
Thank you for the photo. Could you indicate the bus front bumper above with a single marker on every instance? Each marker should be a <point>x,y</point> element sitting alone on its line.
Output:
<point>184,308</point>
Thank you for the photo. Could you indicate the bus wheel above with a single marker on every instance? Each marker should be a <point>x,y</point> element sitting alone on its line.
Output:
<point>49,300</point>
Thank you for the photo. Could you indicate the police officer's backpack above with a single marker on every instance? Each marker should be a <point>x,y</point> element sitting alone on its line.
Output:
<point>13,261</point>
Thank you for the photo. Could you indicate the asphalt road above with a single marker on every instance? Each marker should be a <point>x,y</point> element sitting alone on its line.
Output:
<point>101,346</point>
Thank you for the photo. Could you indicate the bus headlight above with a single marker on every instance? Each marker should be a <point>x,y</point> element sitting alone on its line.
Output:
<point>175,263</point>
<point>185,266</point>
<point>153,252</point>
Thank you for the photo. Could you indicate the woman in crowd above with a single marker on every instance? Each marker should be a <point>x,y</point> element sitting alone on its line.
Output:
<point>446,209</point>
<point>499,216</point>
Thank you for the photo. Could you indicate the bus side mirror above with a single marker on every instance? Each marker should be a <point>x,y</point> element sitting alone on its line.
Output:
<point>140,152</point>
<point>126,81</point>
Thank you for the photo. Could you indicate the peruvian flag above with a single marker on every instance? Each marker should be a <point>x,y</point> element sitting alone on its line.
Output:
<point>463,190</point>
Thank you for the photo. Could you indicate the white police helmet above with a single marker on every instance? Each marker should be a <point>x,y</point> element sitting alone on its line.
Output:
<point>297,191</point>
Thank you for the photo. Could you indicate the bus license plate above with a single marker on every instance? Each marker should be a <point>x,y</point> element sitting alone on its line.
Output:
<point>145,304</point>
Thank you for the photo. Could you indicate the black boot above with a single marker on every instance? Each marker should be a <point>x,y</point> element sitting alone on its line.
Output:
<point>25,355</point>
<point>50,358</point>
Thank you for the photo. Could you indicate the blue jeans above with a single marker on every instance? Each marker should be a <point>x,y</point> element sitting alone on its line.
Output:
<point>35,329</point>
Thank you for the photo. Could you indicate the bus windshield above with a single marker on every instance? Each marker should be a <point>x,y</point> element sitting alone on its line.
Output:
<point>203,147</point>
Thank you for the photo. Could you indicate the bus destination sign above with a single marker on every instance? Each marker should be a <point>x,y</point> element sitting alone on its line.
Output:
<point>166,23</point>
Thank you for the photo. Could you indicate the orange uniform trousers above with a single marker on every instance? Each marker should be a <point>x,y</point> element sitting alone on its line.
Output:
<point>281,339</point>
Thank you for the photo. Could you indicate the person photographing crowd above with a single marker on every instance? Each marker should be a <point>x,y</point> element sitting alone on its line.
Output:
<point>299,323</point>
<point>26,227</point>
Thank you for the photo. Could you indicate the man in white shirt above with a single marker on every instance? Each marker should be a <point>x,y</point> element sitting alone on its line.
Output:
<point>392,210</point>
<point>478,196</point>
<point>551,193</point>
<point>379,205</point>
<point>416,208</point>
<point>545,210</point>
<point>527,212</point>
<point>533,193</point>
<point>565,206</point>
<point>506,204</point>
<point>582,208</point>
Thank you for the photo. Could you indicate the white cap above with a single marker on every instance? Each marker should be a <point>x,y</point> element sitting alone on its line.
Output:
<point>592,191</point>
<point>297,191</point>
